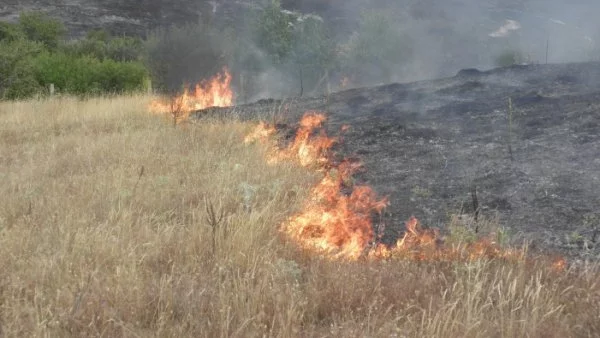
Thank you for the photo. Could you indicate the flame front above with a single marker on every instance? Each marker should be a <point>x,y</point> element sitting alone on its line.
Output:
<point>337,218</point>
<point>214,92</point>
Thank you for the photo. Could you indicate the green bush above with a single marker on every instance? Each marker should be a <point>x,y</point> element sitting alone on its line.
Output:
<point>10,32</point>
<point>88,75</point>
<point>274,32</point>
<point>40,27</point>
<point>509,58</point>
<point>185,54</point>
<point>17,78</point>
<point>377,49</point>
<point>313,51</point>
<point>101,45</point>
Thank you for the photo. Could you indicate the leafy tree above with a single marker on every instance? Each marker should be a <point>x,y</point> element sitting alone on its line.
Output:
<point>99,44</point>
<point>509,58</point>
<point>124,49</point>
<point>274,32</point>
<point>88,75</point>
<point>40,27</point>
<point>17,78</point>
<point>185,54</point>
<point>10,32</point>
<point>378,49</point>
<point>313,52</point>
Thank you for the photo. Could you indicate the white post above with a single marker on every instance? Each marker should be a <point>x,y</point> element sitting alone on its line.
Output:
<point>52,89</point>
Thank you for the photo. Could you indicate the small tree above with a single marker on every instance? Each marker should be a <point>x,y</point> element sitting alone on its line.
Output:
<point>274,32</point>
<point>41,28</point>
<point>184,54</point>
<point>10,32</point>
<point>509,58</point>
<point>377,50</point>
<point>17,78</point>
<point>313,52</point>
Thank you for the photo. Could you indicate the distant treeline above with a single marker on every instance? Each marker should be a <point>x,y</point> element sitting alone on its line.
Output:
<point>34,54</point>
<point>270,52</point>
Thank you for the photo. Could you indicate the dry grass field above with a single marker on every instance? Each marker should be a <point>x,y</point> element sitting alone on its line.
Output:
<point>114,223</point>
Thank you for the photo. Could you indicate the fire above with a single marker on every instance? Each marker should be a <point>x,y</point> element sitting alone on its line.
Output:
<point>335,223</point>
<point>308,148</point>
<point>337,219</point>
<point>214,92</point>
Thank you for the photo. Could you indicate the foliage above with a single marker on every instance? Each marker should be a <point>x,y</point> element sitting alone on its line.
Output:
<point>32,56</point>
<point>86,74</point>
<point>40,27</point>
<point>10,32</point>
<point>16,75</point>
<point>509,58</point>
<point>101,45</point>
<point>184,54</point>
<point>312,52</point>
<point>296,45</point>
<point>274,32</point>
<point>377,49</point>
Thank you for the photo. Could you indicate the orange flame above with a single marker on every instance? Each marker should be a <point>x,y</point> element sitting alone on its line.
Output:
<point>337,219</point>
<point>214,92</point>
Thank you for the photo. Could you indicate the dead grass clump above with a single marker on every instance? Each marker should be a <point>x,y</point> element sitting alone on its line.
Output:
<point>113,223</point>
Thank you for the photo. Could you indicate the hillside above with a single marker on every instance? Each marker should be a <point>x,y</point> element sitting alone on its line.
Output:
<point>445,35</point>
<point>427,144</point>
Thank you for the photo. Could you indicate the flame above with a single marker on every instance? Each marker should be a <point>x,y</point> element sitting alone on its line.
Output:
<point>337,220</point>
<point>214,92</point>
<point>307,147</point>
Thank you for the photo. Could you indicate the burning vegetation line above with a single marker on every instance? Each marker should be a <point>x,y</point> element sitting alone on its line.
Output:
<point>214,92</point>
<point>336,221</point>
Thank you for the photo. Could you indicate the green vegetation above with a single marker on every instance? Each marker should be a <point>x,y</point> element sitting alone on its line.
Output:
<point>509,58</point>
<point>377,48</point>
<point>34,54</point>
<point>282,52</point>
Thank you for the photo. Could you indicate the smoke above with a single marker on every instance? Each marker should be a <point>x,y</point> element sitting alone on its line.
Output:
<point>379,41</point>
<point>447,36</point>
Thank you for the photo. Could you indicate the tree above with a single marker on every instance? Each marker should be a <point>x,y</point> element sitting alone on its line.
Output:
<point>17,78</point>
<point>10,32</point>
<point>274,32</point>
<point>184,54</point>
<point>313,52</point>
<point>39,27</point>
<point>377,49</point>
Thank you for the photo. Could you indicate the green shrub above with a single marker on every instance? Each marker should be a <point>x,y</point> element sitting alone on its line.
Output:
<point>10,32</point>
<point>509,58</point>
<point>185,54</point>
<point>377,49</point>
<point>101,45</point>
<point>313,50</point>
<point>88,75</point>
<point>40,27</point>
<point>17,78</point>
<point>274,32</point>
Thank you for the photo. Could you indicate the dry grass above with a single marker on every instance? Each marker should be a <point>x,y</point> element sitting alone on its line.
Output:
<point>105,231</point>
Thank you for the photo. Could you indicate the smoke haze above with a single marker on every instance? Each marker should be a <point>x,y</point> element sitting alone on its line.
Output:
<point>448,35</point>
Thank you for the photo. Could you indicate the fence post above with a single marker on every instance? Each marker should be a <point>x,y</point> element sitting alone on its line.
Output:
<point>52,89</point>
<point>149,86</point>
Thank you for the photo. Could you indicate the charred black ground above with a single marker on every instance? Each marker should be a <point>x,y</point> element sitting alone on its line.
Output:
<point>427,144</point>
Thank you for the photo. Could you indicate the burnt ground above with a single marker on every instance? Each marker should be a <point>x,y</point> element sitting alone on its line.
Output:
<point>426,144</point>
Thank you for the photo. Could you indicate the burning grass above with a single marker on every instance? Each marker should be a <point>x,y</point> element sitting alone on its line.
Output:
<point>106,230</point>
<point>214,92</point>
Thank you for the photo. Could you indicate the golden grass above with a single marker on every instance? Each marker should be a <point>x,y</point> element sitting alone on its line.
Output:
<point>104,232</point>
